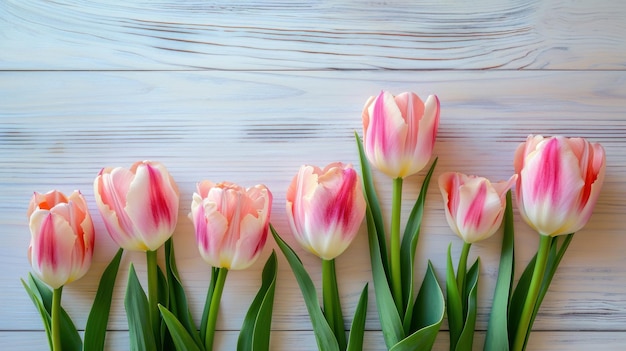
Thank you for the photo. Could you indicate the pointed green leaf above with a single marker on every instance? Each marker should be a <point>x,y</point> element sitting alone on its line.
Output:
<point>390,321</point>
<point>466,339</point>
<point>323,334</point>
<point>372,201</point>
<point>45,315</point>
<point>180,337</point>
<point>357,329</point>
<point>207,304</point>
<point>519,296</point>
<point>429,310</point>
<point>96,328</point>
<point>256,328</point>
<point>177,301</point>
<point>138,315</point>
<point>454,305</point>
<point>497,338</point>
<point>70,339</point>
<point>409,244</point>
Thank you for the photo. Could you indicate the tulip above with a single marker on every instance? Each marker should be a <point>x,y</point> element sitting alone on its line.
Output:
<point>399,132</point>
<point>559,182</point>
<point>474,206</point>
<point>325,208</point>
<point>62,237</point>
<point>139,205</point>
<point>231,223</point>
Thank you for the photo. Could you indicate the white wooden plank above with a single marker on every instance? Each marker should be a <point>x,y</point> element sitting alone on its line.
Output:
<point>57,129</point>
<point>485,34</point>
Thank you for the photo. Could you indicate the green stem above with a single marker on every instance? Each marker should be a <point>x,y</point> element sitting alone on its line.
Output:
<point>332,305</point>
<point>396,273</point>
<point>56,319</point>
<point>153,292</point>
<point>533,292</point>
<point>460,274</point>
<point>213,309</point>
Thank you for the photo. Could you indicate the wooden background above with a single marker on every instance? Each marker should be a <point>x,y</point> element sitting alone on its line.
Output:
<point>249,91</point>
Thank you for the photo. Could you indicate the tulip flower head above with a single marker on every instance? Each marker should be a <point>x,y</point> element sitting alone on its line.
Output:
<point>139,205</point>
<point>62,237</point>
<point>325,208</point>
<point>474,206</point>
<point>231,223</point>
<point>399,132</point>
<point>559,182</point>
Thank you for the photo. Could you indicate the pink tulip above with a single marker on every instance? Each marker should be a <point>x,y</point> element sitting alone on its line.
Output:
<point>231,223</point>
<point>325,208</point>
<point>559,182</point>
<point>62,237</point>
<point>474,206</point>
<point>399,132</point>
<point>139,206</point>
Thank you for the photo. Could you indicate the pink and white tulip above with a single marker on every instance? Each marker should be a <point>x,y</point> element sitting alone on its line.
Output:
<point>474,206</point>
<point>399,132</point>
<point>231,223</point>
<point>139,205</point>
<point>62,237</point>
<point>559,182</point>
<point>325,208</point>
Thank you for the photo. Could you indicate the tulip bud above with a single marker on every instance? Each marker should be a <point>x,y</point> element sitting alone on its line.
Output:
<point>62,237</point>
<point>474,206</point>
<point>399,132</point>
<point>325,208</point>
<point>231,223</point>
<point>139,205</point>
<point>559,182</point>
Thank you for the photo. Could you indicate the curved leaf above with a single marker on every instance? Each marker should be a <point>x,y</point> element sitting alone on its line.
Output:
<point>357,329</point>
<point>324,336</point>
<point>256,328</point>
<point>409,244</point>
<point>136,304</point>
<point>428,314</point>
<point>454,305</point>
<point>180,337</point>
<point>466,339</point>
<point>96,328</point>
<point>45,315</point>
<point>497,338</point>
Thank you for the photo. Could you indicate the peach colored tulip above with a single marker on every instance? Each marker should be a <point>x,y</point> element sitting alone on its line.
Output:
<point>474,206</point>
<point>559,182</point>
<point>231,223</point>
<point>399,132</point>
<point>62,237</point>
<point>325,208</point>
<point>139,205</point>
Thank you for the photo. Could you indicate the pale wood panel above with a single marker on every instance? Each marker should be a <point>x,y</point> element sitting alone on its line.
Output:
<point>143,35</point>
<point>57,129</point>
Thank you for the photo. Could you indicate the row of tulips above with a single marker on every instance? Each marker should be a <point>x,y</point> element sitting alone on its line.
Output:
<point>557,181</point>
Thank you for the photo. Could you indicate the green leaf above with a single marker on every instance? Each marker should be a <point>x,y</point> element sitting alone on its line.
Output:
<point>357,329</point>
<point>429,310</point>
<point>138,315</point>
<point>390,321</point>
<point>518,297</point>
<point>96,328</point>
<point>454,305</point>
<point>409,244</point>
<point>331,302</point>
<point>256,327</point>
<point>180,337</point>
<point>497,338</point>
<point>372,202</point>
<point>207,304</point>
<point>323,334</point>
<point>70,339</point>
<point>466,339</point>
<point>45,315</point>
<point>177,302</point>
<point>162,338</point>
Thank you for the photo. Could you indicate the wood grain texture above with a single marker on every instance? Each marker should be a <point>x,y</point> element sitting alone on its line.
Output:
<point>304,35</point>
<point>59,128</point>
